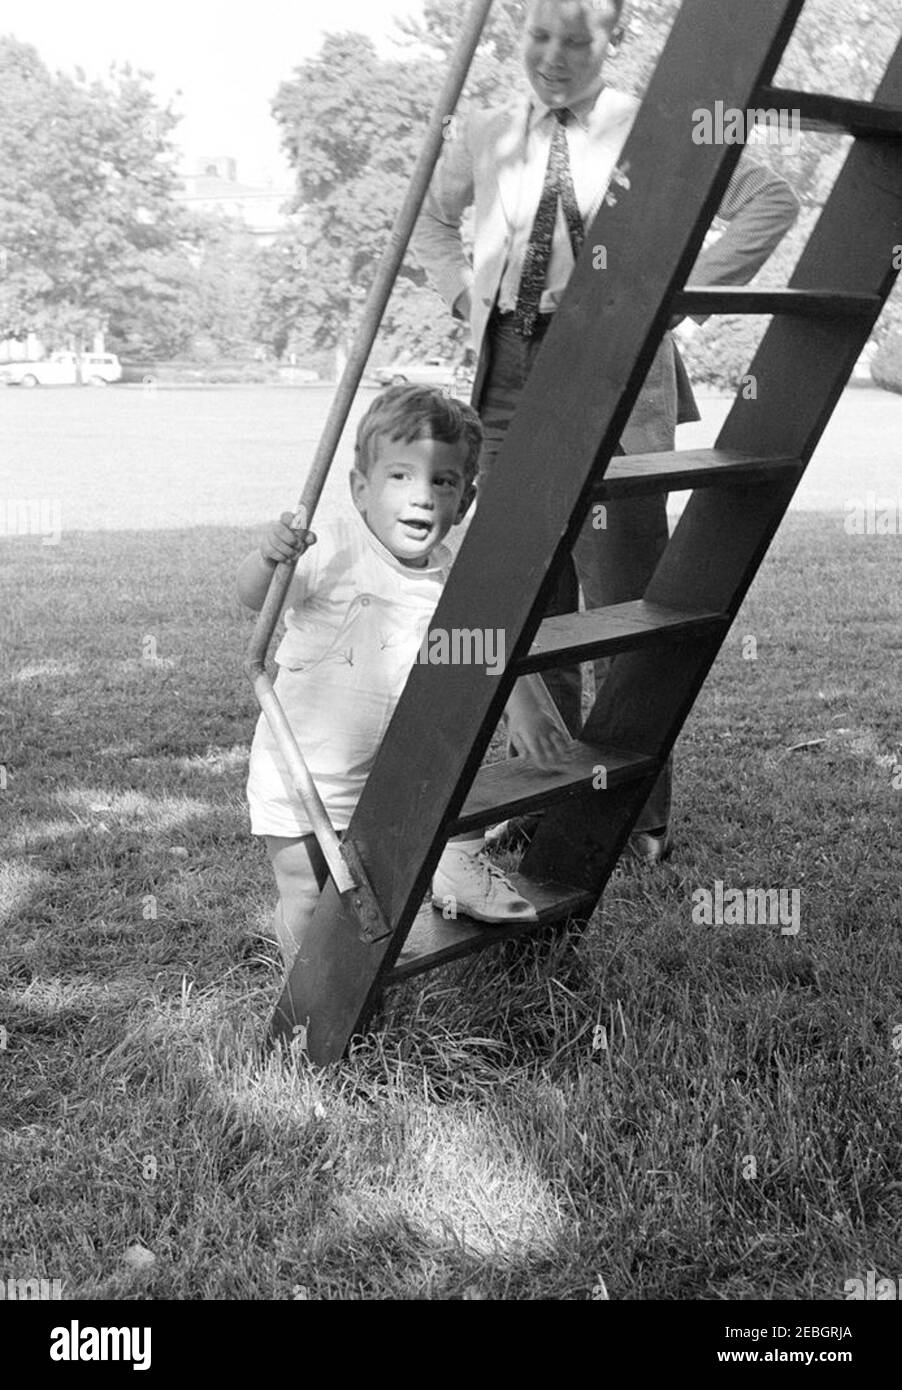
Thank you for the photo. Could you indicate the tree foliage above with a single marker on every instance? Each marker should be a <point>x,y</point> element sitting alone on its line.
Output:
<point>92,236</point>
<point>351,125</point>
<point>87,217</point>
<point>199,300</point>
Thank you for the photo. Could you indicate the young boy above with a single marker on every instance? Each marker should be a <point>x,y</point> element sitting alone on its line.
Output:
<point>359,609</point>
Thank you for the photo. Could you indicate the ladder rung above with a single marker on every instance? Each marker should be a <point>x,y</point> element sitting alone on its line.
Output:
<point>631,475</point>
<point>618,628</point>
<point>433,941</point>
<point>515,786</point>
<point>825,112</point>
<point>814,304</point>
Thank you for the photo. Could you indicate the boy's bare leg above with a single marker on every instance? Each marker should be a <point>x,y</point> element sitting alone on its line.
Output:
<point>300,874</point>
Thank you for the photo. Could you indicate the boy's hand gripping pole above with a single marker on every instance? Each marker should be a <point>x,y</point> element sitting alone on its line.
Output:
<point>342,859</point>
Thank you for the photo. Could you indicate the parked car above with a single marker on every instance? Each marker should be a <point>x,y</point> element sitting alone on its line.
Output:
<point>61,369</point>
<point>134,372</point>
<point>428,371</point>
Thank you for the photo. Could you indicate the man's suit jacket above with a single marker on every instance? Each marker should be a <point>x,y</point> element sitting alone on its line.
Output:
<point>485,166</point>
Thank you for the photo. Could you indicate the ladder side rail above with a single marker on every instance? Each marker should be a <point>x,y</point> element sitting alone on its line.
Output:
<point>845,252</point>
<point>801,367</point>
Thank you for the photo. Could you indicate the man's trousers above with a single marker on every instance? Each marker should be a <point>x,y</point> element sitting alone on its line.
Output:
<point>611,564</point>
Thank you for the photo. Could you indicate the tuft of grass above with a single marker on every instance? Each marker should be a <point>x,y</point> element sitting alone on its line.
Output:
<point>677,1111</point>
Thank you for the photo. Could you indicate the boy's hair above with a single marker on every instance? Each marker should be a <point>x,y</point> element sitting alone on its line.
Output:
<point>408,413</point>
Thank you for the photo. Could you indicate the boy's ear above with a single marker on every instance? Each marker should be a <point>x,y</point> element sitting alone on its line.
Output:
<point>358,488</point>
<point>465,502</point>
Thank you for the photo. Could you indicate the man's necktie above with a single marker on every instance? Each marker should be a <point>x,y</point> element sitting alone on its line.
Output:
<point>558,185</point>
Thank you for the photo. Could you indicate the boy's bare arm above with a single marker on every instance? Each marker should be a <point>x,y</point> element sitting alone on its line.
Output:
<point>280,543</point>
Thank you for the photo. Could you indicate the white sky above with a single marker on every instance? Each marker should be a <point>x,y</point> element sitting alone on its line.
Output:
<point>227,60</point>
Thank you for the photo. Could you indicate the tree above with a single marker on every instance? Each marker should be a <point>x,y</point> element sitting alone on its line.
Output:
<point>222,296</point>
<point>151,307</point>
<point>281,312</point>
<point>88,223</point>
<point>351,124</point>
<point>200,299</point>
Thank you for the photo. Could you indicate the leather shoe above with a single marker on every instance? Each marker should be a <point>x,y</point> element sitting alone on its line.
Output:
<point>650,846</point>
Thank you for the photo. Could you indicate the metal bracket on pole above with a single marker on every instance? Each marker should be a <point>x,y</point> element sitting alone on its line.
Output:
<point>362,899</point>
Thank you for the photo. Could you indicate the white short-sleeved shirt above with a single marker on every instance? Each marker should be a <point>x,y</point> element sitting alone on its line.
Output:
<point>595,138</point>
<point>356,619</point>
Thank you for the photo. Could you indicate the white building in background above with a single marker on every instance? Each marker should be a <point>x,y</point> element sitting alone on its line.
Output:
<point>214,187</point>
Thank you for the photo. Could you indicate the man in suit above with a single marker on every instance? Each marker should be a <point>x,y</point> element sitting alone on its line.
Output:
<point>536,171</point>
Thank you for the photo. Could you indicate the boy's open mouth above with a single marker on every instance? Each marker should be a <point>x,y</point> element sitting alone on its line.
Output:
<point>415,524</point>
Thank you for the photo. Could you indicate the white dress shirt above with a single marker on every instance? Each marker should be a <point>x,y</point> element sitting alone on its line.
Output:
<point>595,137</point>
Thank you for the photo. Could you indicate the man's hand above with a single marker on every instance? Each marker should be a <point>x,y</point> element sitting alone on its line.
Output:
<point>544,741</point>
<point>535,727</point>
<point>282,542</point>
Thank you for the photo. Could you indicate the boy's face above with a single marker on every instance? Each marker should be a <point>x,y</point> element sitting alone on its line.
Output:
<point>565,44</point>
<point>413,495</point>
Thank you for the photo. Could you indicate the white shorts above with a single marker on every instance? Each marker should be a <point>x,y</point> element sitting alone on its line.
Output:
<point>339,732</point>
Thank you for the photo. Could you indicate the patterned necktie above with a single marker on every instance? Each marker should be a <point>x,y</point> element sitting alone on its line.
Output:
<point>558,185</point>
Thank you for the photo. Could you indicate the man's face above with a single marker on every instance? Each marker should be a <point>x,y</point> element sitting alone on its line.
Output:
<point>413,495</point>
<point>565,43</point>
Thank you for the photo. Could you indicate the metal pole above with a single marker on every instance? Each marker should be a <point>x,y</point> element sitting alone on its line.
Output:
<point>343,400</point>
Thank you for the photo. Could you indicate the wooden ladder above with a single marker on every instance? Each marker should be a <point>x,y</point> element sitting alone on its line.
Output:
<point>557,461</point>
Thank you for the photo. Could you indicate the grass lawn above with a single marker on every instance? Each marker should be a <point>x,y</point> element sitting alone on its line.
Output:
<point>738,1136</point>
